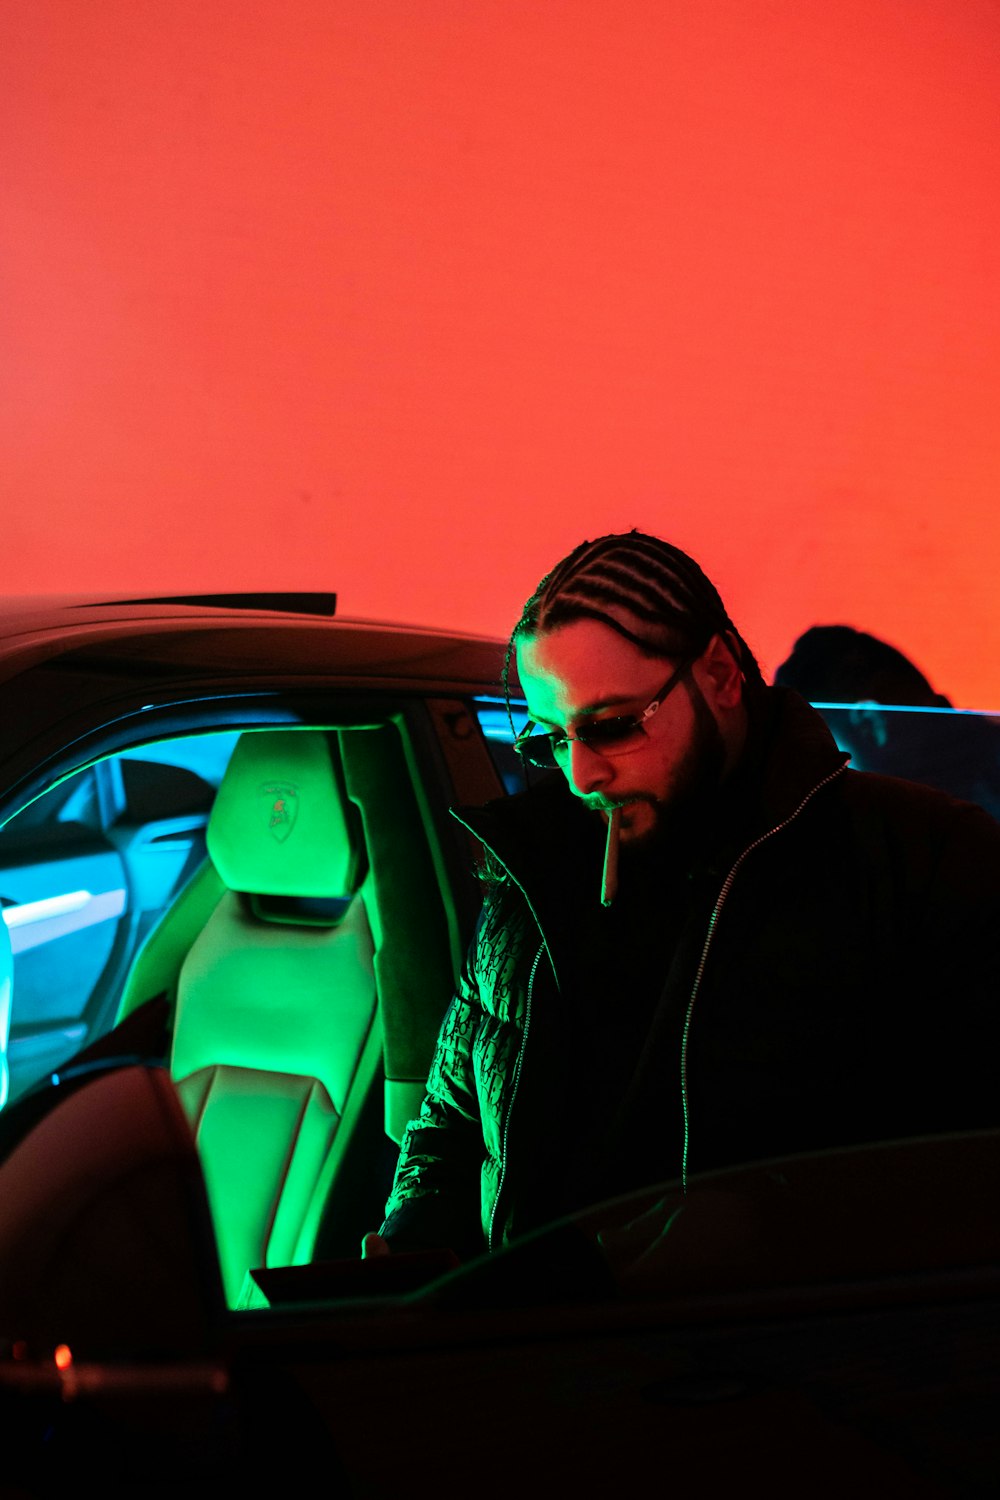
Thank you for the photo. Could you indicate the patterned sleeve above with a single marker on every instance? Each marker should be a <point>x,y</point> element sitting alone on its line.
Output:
<point>435,1198</point>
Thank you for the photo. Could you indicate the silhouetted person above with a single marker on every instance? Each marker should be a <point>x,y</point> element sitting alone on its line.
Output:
<point>956,752</point>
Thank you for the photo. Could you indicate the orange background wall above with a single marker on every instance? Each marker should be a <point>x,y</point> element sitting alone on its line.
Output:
<point>404,297</point>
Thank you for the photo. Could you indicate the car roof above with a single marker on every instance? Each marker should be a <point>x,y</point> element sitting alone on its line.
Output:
<point>199,636</point>
<point>80,677</point>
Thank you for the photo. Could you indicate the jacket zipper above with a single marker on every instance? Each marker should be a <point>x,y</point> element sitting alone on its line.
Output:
<point>513,1093</point>
<point>712,922</point>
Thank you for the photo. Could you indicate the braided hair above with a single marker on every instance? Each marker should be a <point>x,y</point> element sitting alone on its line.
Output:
<point>671,607</point>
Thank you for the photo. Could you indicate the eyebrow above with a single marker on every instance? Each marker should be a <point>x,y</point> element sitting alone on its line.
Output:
<point>586,713</point>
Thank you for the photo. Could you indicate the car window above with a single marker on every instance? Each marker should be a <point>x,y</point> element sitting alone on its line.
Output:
<point>499,729</point>
<point>954,750</point>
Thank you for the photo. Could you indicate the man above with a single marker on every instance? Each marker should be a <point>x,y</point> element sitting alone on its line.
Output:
<point>783,955</point>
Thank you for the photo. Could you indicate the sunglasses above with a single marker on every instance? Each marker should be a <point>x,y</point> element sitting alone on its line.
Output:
<point>549,748</point>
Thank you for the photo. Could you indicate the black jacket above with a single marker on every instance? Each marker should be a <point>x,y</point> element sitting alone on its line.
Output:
<point>833,975</point>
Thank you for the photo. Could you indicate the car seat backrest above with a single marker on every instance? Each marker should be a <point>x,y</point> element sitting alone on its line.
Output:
<point>276,997</point>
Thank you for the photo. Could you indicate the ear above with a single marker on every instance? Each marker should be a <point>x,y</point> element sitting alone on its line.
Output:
<point>719,673</point>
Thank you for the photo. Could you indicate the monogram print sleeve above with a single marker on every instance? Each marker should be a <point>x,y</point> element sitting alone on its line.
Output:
<point>448,1166</point>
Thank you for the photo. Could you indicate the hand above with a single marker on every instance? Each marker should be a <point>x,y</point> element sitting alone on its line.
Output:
<point>372,1246</point>
<point>711,1239</point>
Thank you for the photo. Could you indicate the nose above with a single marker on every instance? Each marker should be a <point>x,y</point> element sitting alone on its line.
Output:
<point>586,770</point>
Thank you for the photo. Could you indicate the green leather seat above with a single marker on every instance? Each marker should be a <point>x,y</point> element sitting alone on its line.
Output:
<point>276,1032</point>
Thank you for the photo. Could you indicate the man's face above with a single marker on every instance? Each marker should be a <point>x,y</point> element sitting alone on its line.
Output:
<point>585,671</point>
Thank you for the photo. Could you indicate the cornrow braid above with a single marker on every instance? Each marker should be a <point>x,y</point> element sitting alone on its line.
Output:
<point>674,608</point>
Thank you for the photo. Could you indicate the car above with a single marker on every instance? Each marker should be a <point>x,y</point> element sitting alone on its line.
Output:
<point>207,1067</point>
<point>118,726</point>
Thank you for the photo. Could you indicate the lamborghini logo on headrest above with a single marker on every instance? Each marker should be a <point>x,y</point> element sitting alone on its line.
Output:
<point>281,800</point>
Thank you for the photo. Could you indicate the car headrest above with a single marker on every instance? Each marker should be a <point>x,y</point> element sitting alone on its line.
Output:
<point>280,825</point>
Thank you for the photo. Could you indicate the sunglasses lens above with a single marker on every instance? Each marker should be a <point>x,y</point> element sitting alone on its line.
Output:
<point>537,750</point>
<point>610,734</point>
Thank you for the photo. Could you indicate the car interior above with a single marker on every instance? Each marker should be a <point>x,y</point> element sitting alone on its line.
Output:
<point>292,982</point>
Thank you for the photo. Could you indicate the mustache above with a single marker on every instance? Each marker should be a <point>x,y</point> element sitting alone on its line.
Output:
<point>604,805</point>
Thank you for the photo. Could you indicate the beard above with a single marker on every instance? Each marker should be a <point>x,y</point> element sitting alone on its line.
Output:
<point>689,807</point>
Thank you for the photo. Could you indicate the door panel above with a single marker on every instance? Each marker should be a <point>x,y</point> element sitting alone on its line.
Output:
<point>85,871</point>
<point>62,910</point>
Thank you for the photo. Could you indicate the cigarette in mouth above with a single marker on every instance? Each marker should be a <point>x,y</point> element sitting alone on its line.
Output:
<point>609,880</point>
